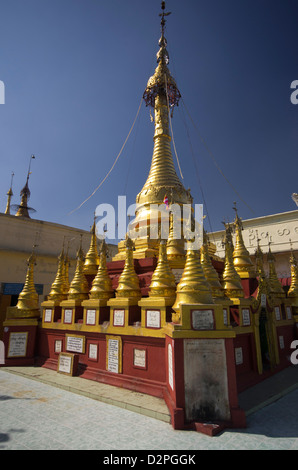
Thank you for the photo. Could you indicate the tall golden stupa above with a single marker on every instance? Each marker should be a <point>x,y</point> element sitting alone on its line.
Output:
<point>163,183</point>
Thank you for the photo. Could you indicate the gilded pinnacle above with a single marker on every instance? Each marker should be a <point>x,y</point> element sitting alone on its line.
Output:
<point>163,280</point>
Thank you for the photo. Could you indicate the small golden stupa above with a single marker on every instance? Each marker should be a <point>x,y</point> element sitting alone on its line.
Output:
<point>242,261</point>
<point>28,305</point>
<point>128,284</point>
<point>102,284</point>
<point>293,290</point>
<point>163,280</point>
<point>231,279</point>
<point>58,291</point>
<point>92,259</point>
<point>275,285</point>
<point>79,289</point>
<point>209,270</point>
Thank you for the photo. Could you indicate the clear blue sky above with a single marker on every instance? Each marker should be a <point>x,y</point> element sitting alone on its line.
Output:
<point>74,74</point>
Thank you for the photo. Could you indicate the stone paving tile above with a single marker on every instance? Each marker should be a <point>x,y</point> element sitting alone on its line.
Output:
<point>37,416</point>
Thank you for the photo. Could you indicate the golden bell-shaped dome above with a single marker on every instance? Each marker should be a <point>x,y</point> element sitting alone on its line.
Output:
<point>28,298</point>
<point>102,284</point>
<point>231,280</point>
<point>209,270</point>
<point>128,284</point>
<point>163,280</point>
<point>193,287</point>
<point>92,259</point>
<point>275,285</point>
<point>78,289</point>
<point>293,291</point>
<point>58,291</point>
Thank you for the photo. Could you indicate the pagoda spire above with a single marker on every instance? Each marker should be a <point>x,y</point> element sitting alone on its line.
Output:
<point>128,284</point>
<point>293,290</point>
<point>275,285</point>
<point>163,280</point>
<point>79,286</point>
<point>57,291</point>
<point>209,270</point>
<point>231,280</point>
<point>242,262</point>
<point>9,196</point>
<point>102,284</point>
<point>23,209</point>
<point>28,298</point>
<point>92,259</point>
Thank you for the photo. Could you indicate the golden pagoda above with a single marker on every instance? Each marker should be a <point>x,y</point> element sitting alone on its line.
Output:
<point>209,270</point>
<point>275,285</point>
<point>102,284</point>
<point>175,244</point>
<point>128,284</point>
<point>242,262</point>
<point>163,280</point>
<point>92,259</point>
<point>231,280</point>
<point>162,183</point>
<point>78,289</point>
<point>23,208</point>
<point>193,287</point>
<point>58,291</point>
<point>293,290</point>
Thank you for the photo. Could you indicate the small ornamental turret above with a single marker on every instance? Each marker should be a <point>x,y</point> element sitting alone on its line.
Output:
<point>78,289</point>
<point>209,270</point>
<point>92,259</point>
<point>102,284</point>
<point>293,291</point>
<point>9,196</point>
<point>231,280</point>
<point>163,280</point>
<point>242,262</point>
<point>27,304</point>
<point>128,284</point>
<point>274,283</point>
<point>58,291</point>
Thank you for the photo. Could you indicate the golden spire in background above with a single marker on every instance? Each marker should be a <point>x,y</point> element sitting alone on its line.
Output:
<point>193,287</point>
<point>28,298</point>
<point>163,280</point>
<point>209,270</point>
<point>275,285</point>
<point>78,288</point>
<point>92,259</point>
<point>57,291</point>
<point>242,262</point>
<point>231,280</point>
<point>23,209</point>
<point>128,284</point>
<point>102,284</point>
<point>9,195</point>
<point>175,244</point>
<point>293,291</point>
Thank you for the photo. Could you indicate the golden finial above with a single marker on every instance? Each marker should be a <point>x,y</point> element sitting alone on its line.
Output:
<point>23,209</point>
<point>9,196</point>
<point>275,285</point>
<point>193,287</point>
<point>293,291</point>
<point>102,284</point>
<point>79,289</point>
<point>242,262</point>
<point>28,298</point>
<point>231,280</point>
<point>259,259</point>
<point>92,259</point>
<point>58,291</point>
<point>163,280</point>
<point>209,270</point>
<point>128,284</point>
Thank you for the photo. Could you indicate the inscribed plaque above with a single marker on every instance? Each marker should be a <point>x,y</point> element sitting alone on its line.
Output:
<point>277,313</point>
<point>170,366</point>
<point>118,317</point>
<point>58,346</point>
<point>202,319</point>
<point>114,352</point>
<point>281,342</point>
<point>153,318</point>
<point>48,315</point>
<point>90,317</point>
<point>75,343</point>
<point>93,348</point>
<point>289,313</point>
<point>238,356</point>
<point>225,316</point>
<point>17,344</point>
<point>65,363</point>
<point>245,317</point>
<point>68,315</point>
<point>139,358</point>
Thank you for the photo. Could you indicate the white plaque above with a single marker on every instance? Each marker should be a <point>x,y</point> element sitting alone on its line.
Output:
<point>93,348</point>
<point>65,363</point>
<point>281,342</point>
<point>202,319</point>
<point>58,346</point>
<point>238,356</point>
<point>139,358</point>
<point>263,300</point>
<point>170,366</point>
<point>289,313</point>
<point>153,318</point>
<point>17,344</point>
<point>75,343</point>
<point>68,315</point>
<point>90,317</point>
<point>119,317</point>
<point>277,313</point>
<point>48,315</point>
<point>245,317</point>
<point>113,355</point>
